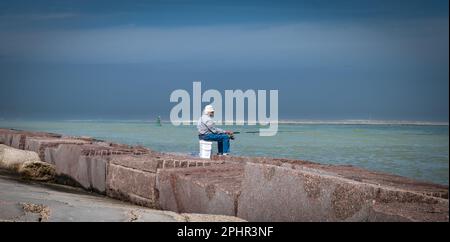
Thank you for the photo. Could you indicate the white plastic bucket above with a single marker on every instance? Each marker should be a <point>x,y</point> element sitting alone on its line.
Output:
<point>205,149</point>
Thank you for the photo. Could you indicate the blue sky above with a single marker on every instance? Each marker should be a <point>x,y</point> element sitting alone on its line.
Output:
<point>328,59</point>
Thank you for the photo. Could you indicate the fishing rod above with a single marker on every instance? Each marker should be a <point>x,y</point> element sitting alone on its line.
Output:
<point>246,132</point>
<point>257,132</point>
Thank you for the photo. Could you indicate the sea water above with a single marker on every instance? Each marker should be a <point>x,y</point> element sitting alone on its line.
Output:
<point>416,151</point>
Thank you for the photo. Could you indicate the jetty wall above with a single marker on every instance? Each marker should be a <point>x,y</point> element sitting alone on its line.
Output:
<point>252,188</point>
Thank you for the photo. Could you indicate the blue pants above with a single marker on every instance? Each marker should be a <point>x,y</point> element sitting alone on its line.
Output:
<point>223,141</point>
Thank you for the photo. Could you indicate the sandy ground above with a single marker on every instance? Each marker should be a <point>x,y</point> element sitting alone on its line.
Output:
<point>28,201</point>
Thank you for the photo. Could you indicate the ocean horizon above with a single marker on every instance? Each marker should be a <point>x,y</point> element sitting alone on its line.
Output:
<point>418,150</point>
<point>282,121</point>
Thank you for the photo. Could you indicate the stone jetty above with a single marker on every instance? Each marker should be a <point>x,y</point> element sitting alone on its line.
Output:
<point>251,188</point>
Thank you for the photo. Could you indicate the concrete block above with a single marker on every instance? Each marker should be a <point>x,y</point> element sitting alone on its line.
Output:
<point>87,164</point>
<point>65,158</point>
<point>40,144</point>
<point>153,162</point>
<point>16,138</point>
<point>132,177</point>
<point>71,161</point>
<point>92,172</point>
<point>211,190</point>
<point>274,193</point>
<point>145,163</point>
<point>50,154</point>
<point>6,136</point>
<point>132,185</point>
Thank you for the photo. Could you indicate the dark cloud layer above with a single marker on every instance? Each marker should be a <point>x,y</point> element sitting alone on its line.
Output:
<point>329,59</point>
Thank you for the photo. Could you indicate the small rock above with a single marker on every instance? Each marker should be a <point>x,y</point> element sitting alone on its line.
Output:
<point>42,210</point>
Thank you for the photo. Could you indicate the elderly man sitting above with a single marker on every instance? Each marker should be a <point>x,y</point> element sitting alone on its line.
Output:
<point>208,132</point>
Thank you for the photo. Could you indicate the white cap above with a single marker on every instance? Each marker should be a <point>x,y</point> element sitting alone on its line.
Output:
<point>208,109</point>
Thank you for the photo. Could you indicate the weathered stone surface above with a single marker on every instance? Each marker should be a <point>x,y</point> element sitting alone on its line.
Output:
<point>50,155</point>
<point>17,139</point>
<point>153,162</point>
<point>66,159</point>
<point>211,190</point>
<point>12,158</point>
<point>145,163</point>
<point>132,185</point>
<point>382,179</point>
<point>272,189</point>
<point>6,136</point>
<point>59,154</point>
<point>195,217</point>
<point>2,135</point>
<point>40,144</point>
<point>132,177</point>
<point>348,172</point>
<point>86,164</point>
<point>92,172</point>
<point>274,193</point>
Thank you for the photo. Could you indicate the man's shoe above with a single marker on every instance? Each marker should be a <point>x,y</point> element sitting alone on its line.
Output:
<point>224,154</point>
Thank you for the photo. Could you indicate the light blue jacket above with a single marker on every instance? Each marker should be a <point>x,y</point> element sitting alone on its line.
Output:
<point>206,125</point>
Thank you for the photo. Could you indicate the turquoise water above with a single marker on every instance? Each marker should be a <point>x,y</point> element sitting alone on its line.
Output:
<point>416,151</point>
